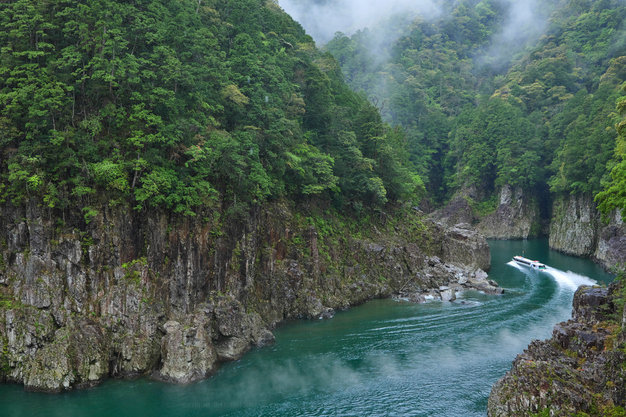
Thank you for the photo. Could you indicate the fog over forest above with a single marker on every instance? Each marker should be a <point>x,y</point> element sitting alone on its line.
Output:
<point>323,18</point>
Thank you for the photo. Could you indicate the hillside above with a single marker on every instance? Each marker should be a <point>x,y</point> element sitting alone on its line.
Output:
<point>177,178</point>
<point>155,104</point>
<point>487,105</point>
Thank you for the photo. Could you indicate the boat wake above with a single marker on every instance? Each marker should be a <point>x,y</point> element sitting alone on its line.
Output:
<point>569,279</point>
<point>518,266</point>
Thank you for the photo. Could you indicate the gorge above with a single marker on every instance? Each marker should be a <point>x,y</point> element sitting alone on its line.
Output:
<point>384,355</point>
<point>181,180</point>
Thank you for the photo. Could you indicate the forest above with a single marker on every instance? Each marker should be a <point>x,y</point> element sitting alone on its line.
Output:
<point>540,114</point>
<point>187,104</point>
<point>180,105</point>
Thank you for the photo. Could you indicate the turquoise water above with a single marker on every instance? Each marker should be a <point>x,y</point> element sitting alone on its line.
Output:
<point>383,358</point>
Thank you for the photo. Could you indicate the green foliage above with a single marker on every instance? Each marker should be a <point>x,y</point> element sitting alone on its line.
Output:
<point>614,195</point>
<point>543,413</point>
<point>173,105</point>
<point>477,116</point>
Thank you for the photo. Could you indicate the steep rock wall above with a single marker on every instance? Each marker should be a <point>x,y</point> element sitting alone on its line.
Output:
<point>580,370</point>
<point>577,229</point>
<point>131,293</point>
<point>517,216</point>
<point>611,249</point>
<point>575,225</point>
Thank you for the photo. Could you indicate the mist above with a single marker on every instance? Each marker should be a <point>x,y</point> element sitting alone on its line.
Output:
<point>323,18</point>
<point>523,22</point>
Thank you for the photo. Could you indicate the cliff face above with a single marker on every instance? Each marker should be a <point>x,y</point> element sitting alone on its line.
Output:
<point>131,293</point>
<point>611,249</point>
<point>517,216</point>
<point>580,370</point>
<point>577,229</point>
<point>575,225</point>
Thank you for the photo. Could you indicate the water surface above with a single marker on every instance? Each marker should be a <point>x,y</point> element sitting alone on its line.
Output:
<point>383,358</point>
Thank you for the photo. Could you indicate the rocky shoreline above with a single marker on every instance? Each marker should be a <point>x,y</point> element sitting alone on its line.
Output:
<point>580,371</point>
<point>460,279</point>
<point>132,294</point>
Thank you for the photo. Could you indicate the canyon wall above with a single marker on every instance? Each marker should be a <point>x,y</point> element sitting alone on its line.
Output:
<point>580,371</point>
<point>517,216</point>
<point>131,293</point>
<point>577,229</point>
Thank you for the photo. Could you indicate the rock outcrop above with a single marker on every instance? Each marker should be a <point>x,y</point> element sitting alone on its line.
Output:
<point>611,249</point>
<point>134,293</point>
<point>577,229</point>
<point>459,208</point>
<point>580,370</point>
<point>575,225</point>
<point>456,279</point>
<point>465,246</point>
<point>517,216</point>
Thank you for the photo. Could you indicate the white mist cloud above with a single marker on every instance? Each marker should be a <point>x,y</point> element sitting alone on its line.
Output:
<point>322,19</point>
<point>524,21</point>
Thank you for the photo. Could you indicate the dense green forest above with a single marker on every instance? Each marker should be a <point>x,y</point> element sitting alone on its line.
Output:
<point>183,104</point>
<point>541,117</point>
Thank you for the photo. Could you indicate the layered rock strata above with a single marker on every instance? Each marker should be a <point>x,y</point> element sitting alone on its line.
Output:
<point>134,293</point>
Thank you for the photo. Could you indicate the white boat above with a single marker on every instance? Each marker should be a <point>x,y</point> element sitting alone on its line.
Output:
<point>528,262</point>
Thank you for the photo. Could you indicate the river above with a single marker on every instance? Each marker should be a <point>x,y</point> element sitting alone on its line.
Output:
<point>386,357</point>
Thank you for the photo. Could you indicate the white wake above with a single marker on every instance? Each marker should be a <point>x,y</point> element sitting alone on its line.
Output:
<point>569,279</point>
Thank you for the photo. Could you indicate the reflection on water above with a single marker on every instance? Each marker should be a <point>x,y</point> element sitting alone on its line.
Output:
<point>384,358</point>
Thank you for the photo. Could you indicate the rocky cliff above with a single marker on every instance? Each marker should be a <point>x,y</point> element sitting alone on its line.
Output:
<point>577,229</point>
<point>581,371</point>
<point>575,225</point>
<point>132,293</point>
<point>517,216</point>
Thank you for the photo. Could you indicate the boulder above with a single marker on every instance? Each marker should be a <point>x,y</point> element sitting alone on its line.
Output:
<point>447,294</point>
<point>187,353</point>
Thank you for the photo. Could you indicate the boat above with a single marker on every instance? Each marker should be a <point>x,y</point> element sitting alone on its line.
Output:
<point>528,262</point>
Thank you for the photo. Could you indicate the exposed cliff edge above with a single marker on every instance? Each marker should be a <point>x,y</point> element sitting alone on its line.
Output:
<point>580,371</point>
<point>517,215</point>
<point>132,293</point>
<point>575,225</point>
<point>577,229</point>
